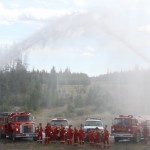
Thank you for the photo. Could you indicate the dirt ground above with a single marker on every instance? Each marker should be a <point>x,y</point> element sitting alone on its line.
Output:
<point>31,145</point>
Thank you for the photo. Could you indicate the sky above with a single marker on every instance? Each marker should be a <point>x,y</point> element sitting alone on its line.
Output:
<point>88,36</point>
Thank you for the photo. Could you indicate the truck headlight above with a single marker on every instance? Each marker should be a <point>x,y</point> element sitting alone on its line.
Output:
<point>129,130</point>
<point>17,129</point>
<point>112,129</point>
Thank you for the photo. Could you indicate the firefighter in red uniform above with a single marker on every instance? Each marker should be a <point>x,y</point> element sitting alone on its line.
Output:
<point>54,133</point>
<point>40,130</point>
<point>97,137</point>
<point>81,135</point>
<point>106,137</point>
<point>91,137</point>
<point>69,135</point>
<point>145,133</point>
<point>47,133</point>
<point>76,136</point>
<point>62,134</point>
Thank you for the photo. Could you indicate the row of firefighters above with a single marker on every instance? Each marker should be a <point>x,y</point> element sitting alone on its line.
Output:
<point>76,135</point>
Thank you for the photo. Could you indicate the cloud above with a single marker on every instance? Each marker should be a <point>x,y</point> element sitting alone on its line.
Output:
<point>14,5</point>
<point>91,49</point>
<point>145,28</point>
<point>5,22</point>
<point>87,54</point>
<point>12,15</point>
<point>80,2</point>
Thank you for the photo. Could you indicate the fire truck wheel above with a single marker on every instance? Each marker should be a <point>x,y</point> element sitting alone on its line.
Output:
<point>13,137</point>
<point>35,138</point>
<point>1,135</point>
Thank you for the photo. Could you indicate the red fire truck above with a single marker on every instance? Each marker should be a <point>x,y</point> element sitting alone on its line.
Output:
<point>17,125</point>
<point>128,127</point>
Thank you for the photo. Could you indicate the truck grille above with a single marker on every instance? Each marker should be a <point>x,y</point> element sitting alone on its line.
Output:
<point>27,128</point>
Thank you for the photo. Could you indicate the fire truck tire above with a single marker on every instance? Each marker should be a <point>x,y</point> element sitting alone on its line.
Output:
<point>1,135</point>
<point>35,138</point>
<point>116,139</point>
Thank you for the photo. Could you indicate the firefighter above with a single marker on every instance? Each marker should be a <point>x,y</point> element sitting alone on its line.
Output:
<point>81,135</point>
<point>106,137</point>
<point>62,134</point>
<point>76,136</point>
<point>47,133</point>
<point>40,130</point>
<point>97,138</point>
<point>91,137</point>
<point>145,133</point>
<point>69,135</point>
<point>54,133</point>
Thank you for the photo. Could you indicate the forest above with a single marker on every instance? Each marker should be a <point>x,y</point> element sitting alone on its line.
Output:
<point>116,92</point>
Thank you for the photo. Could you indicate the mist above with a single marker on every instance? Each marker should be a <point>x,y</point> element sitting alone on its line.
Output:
<point>80,27</point>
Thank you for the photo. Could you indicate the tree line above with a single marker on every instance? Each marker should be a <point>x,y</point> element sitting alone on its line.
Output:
<point>34,90</point>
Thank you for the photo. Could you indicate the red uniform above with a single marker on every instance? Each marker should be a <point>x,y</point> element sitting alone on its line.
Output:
<point>97,138</point>
<point>81,136</point>
<point>62,134</point>
<point>40,130</point>
<point>145,134</point>
<point>47,133</point>
<point>54,133</point>
<point>91,138</point>
<point>76,136</point>
<point>106,137</point>
<point>69,135</point>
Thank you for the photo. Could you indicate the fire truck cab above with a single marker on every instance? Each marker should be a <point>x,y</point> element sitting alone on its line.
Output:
<point>127,127</point>
<point>17,125</point>
<point>60,121</point>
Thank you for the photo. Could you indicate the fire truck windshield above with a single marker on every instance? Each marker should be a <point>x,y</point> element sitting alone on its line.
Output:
<point>124,121</point>
<point>23,118</point>
<point>59,122</point>
<point>93,123</point>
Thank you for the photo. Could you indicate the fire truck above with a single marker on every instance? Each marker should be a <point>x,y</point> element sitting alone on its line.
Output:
<point>17,125</point>
<point>128,128</point>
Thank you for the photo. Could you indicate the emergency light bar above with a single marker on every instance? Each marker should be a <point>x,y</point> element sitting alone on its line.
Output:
<point>130,116</point>
<point>95,118</point>
<point>19,113</point>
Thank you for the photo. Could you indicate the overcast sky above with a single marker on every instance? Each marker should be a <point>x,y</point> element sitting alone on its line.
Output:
<point>90,36</point>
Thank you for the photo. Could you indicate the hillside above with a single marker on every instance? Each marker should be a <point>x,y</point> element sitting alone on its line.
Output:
<point>80,95</point>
